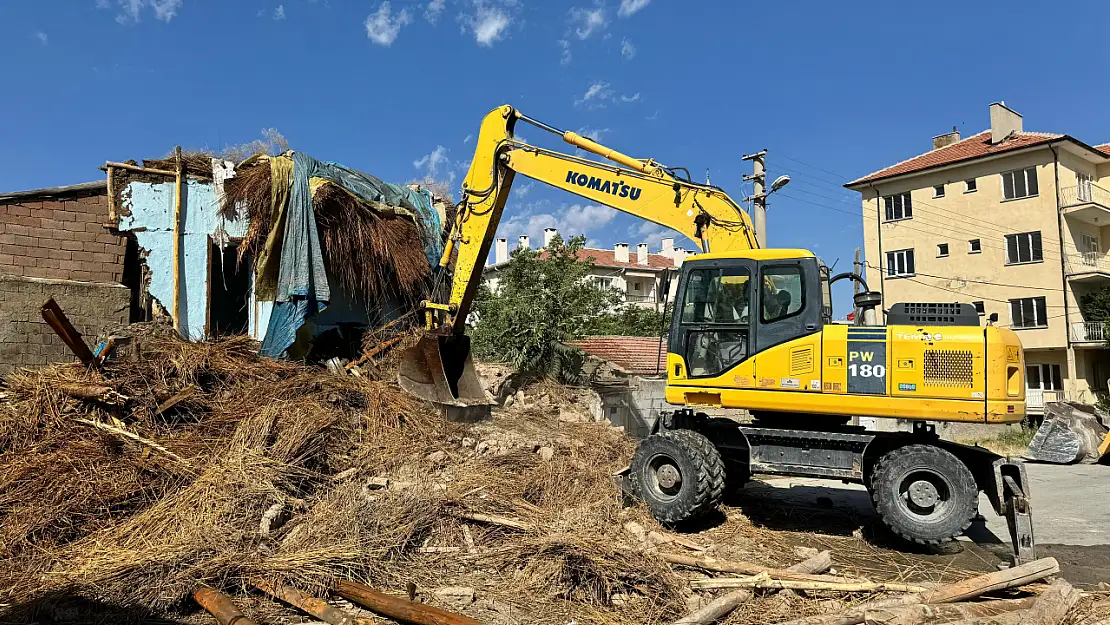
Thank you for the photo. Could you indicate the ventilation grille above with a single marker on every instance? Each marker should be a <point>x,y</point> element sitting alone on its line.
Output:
<point>932,314</point>
<point>948,368</point>
<point>801,361</point>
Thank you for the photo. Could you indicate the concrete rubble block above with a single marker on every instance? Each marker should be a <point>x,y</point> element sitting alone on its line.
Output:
<point>546,453</point>
<point>1070,433</point>
<point>462,595</point>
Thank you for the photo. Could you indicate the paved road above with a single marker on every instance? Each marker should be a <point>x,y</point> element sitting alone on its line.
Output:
<point>1071,513</point>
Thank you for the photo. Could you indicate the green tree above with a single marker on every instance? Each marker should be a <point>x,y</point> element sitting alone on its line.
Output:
<point>630,320</point>
<point>1095,306</point>
<point>542,299</point>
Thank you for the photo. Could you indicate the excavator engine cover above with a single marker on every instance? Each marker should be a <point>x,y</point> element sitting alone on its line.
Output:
<point>440,370</point>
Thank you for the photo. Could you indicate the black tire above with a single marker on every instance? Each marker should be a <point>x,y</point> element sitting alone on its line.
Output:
<point>924,494</point>
<point>696,464</point>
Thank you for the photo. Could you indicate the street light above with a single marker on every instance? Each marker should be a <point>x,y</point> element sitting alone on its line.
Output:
<point>779,183</point>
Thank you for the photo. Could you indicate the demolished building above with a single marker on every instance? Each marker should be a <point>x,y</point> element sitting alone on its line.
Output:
<point>312,261</point>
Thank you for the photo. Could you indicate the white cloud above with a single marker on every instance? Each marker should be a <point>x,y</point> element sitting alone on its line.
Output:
<point>434,9</point>
<point>279,13</point>
<point>383,27</point>
<point>571,221</point>
<point>488,23</point>
<point>131,10</point>
<point>41,36</point>
<point>630,7</point>
<point>593,133</point>
<point>565,57</point>
<point>433,161</point>
<point>653,234</point>
<point>586,22</point>
<point>468,139</point>
<point>522,190</point>
<point>628,50</point>
<point>631,98</point>
<point>596,95</point>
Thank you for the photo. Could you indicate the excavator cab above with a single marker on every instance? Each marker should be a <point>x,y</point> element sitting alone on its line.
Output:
<point>731,307</point>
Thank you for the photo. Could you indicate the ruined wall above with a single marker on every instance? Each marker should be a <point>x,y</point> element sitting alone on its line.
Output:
<point>57,247</point>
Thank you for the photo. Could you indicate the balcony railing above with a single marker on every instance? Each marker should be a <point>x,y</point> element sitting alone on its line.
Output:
<point>1085,194</point>
<point>1087,262</point>
<point>639,298</point>
<point>1036,398</point>
<point>1090,331</point>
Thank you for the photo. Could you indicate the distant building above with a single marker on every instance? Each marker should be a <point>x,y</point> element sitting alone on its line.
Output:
<point>1013,222</point>
<point>637,275</point>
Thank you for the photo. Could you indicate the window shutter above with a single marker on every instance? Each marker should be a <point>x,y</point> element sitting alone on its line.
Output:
<point>1031,174</point>
<point>1008,185</point>
<point>1015,313</point>
<point>1038,253</point>
<point>889,202</point>
<point>1011,248</point>
<point>890,260</point>
<point>907,210</point>
<point>909,261</point>
<point>1042,316</point>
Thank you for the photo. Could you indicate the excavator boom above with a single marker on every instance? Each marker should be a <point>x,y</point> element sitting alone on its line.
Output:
<point>439,368</point>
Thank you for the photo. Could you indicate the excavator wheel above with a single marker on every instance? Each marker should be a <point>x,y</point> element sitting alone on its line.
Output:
<point>925,494</point>
<point>679,474</point>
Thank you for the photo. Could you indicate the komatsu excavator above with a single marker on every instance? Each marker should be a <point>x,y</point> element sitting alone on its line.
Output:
<point>752,328</point>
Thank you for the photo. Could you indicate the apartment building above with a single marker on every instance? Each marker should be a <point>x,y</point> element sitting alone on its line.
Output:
<point>1014,222</point>
<point>638,276</point>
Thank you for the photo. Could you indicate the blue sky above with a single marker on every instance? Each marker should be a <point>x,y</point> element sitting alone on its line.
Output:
<point>833,90</point>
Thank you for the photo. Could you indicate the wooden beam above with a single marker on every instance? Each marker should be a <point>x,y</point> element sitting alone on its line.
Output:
<point>220,606</point>
<point>398,608</point>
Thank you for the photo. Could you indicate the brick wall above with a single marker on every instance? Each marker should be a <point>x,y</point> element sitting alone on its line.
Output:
<point>62,238</point>
<point>26,340</point>
<point>57,246</point>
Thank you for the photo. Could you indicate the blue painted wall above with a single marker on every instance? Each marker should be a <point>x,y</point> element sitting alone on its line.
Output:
<point>151,208</point>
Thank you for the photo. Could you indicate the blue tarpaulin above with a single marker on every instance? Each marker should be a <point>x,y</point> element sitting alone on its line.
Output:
<point>302,287</point>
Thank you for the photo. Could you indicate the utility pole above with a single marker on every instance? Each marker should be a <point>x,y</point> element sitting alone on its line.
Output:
<point>758,197</point>
<point>857,268</point>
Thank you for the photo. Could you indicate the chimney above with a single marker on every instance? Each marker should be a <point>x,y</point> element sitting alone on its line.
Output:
<point>947,138</point>
<point>668,247</point>
<point>620,252</point>
<point>501,251</point>
<point>1004,122</point>
<point>679,256</point>
<point>524,244</point>
<point>548,234</point>
<point>642,254</point>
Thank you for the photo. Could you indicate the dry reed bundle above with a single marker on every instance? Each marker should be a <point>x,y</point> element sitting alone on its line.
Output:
<point>196,162</point>
<point>249,190</point>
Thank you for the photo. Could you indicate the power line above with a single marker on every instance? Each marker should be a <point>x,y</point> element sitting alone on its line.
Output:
<point>1015,286</point>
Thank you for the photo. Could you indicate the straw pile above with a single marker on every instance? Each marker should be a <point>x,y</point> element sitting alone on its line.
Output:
<point>181,464</point>
<point>371,254</point>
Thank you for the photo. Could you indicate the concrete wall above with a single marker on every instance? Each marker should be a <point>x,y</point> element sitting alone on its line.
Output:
<point>25,339</point>
<point>148,211</point>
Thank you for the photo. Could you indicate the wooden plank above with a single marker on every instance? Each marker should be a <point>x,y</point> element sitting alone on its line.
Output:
<point>220,606</point>
<point>398,608</point>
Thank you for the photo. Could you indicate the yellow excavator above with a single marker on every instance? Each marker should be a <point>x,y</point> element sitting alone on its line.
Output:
<point>752,328</point>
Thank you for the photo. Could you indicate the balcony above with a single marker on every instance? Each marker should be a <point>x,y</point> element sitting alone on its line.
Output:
<point>1088,203</point>
<point>1087,266</point>
<point>1090,332</point>
<point>1036,398</point>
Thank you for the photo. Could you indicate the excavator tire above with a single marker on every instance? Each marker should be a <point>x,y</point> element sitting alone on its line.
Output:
<point>679,474</point>
<point>924,494</point>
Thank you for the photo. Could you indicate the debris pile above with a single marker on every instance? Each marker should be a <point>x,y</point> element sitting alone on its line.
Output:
<point>183,475</point>
<point>1071,432</point>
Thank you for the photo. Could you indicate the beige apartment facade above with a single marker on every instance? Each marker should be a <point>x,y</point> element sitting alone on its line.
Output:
<point>1013,222</point>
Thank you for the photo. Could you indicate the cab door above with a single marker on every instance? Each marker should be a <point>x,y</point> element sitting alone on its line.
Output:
<point>711,328</point>
<point>788,325</point>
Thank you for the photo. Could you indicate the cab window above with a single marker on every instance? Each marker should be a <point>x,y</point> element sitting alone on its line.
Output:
<point>715,316</point>
<point>782,295</point>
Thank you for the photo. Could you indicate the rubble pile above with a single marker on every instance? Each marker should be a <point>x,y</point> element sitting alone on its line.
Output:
<point>183,475</point>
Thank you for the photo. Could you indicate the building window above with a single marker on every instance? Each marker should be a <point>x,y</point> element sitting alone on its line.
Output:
<point>938,190</point>
<point>898,206</point>
<point>899,263</point>
<point>942,250</point>
<point>1083,186</point>
<point>1023,248</point>
<point>603,283</point>
<point>1044,377</point>
<point>974,246</point>
<point>979,308</point>
<point>1019,183</point>
<point>971,188</point>
<point>1028,312</point>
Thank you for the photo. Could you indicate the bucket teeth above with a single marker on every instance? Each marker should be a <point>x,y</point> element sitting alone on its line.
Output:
<point>440,370</point>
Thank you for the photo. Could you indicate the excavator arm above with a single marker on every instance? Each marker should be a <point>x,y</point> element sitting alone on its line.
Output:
<point>439,367</point>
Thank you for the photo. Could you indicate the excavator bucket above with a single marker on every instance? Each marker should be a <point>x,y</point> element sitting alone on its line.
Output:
<point>440,370</point>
